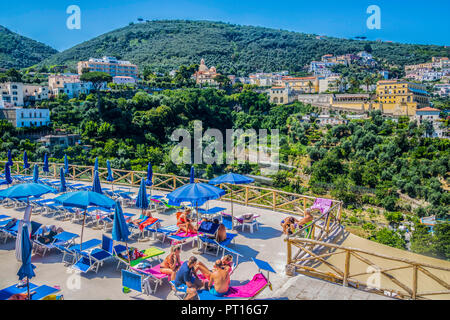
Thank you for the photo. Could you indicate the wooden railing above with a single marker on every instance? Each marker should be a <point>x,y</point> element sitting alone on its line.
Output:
<point>381,274</point>
<point>248,195</point>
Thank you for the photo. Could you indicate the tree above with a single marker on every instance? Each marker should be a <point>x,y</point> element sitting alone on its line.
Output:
<point>389,238</point>
<point>97,79</point>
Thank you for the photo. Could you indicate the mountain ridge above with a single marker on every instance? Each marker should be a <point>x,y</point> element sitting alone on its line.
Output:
<point>18,51</point>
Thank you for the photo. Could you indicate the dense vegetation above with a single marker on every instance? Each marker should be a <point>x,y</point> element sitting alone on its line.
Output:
<point>17,51</point>
<point>233,49</point>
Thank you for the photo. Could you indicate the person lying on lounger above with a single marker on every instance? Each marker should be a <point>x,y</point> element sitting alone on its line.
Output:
<point>219,283</point>
<point>171,263</point>
<point>10,224</point>
<point>47,238</point>
<point>145,214</point>
<point>186,275</point>
<point>21,296</point>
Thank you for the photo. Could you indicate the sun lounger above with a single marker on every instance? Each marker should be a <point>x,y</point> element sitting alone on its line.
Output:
<point>43,292</point>
<point>134,281</point>
<point>3,216</point>
<point>150,253</point>
<point>246,291</point>
<point>40,292</point>
<point>95,259</point>
<point>165,231</point>
<point>86,245</point>
<point>6,293</point>
<point>205,242</point>
<point>62,239</point>
<point>211,213</point>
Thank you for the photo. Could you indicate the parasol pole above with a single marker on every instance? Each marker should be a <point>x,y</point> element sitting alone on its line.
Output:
<point>28,288</point>
<point>82,230</point>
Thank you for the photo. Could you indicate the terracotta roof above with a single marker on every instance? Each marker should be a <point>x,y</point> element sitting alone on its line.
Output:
<point>428,109</point>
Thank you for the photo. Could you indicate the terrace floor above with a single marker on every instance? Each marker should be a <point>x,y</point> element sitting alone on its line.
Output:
<point>265,244</point>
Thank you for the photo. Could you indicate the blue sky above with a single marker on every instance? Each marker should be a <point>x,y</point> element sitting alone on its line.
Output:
<point>407,21</point>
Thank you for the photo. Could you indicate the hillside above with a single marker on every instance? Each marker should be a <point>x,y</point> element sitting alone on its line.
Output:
<point>165,45</point>
<point>17,51</point>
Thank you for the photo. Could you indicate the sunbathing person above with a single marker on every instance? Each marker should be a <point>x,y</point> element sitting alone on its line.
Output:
<point>171,263</point>
<point>21,296</point>
<point>49,237</point>
<point>289,225</point>
<point>184,224</point>
<point>219,280</point>
<point>144,215</point>
<point>308,218</point>
<point>221,232</point>
<point>10,224</point>
<point>227,260</point>
<point>204,270</point>
<point>186,275</point>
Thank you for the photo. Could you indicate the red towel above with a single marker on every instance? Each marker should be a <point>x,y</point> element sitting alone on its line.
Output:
<point>147,222</point>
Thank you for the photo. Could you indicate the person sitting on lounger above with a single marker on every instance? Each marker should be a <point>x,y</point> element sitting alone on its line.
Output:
<point>171,263</point>
<point>186,275</point>
<point>289,225</point>
<point>308,218</point>
<point>184,224</point>
<point>206,272</point>
<point>227,260</point>
<point>219,280</point>
<point>221,232</point>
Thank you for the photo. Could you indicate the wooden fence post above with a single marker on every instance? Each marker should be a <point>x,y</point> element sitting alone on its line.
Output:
<point>246,195</point>
<point>346,269</point>
<point>274,199</point>
<point>414,284</point>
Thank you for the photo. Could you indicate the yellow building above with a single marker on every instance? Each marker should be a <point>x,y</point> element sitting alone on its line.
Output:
<point>302,85</point>
<point>401,98</point>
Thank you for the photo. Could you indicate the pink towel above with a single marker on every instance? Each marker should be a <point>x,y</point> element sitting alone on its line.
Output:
<point>250,289</point>
<point>186,235</point>
<point>322,204</point>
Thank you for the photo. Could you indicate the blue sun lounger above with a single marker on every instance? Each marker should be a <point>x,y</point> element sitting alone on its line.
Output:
<point>63,239</point>
<point>6,293</point>
<point>94,259</point>
<point>135,282</point>
<point>40,292</point>
<point>205,241</point>
<point>252,288</point>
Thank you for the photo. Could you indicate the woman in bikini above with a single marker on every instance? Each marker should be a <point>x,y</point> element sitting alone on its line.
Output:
<point>171,263</point>
<point>184,224</point>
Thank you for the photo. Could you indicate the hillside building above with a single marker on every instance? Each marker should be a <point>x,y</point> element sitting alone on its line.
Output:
<point>111,66</point>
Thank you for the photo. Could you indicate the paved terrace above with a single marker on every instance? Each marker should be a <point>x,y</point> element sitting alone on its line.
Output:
<point>265,244</point>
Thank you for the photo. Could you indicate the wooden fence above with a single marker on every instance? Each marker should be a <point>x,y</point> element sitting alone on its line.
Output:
<point>248,195</point>
<point>401,278</point>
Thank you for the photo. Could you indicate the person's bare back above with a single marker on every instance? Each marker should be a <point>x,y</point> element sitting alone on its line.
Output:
<point>220,278</point>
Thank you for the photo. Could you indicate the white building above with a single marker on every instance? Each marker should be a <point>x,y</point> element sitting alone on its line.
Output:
<point>124,80</point>
<point>12,94</point>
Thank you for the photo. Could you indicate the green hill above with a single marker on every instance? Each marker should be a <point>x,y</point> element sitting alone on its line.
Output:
<point>17,51</point>
<point>165,45</point>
